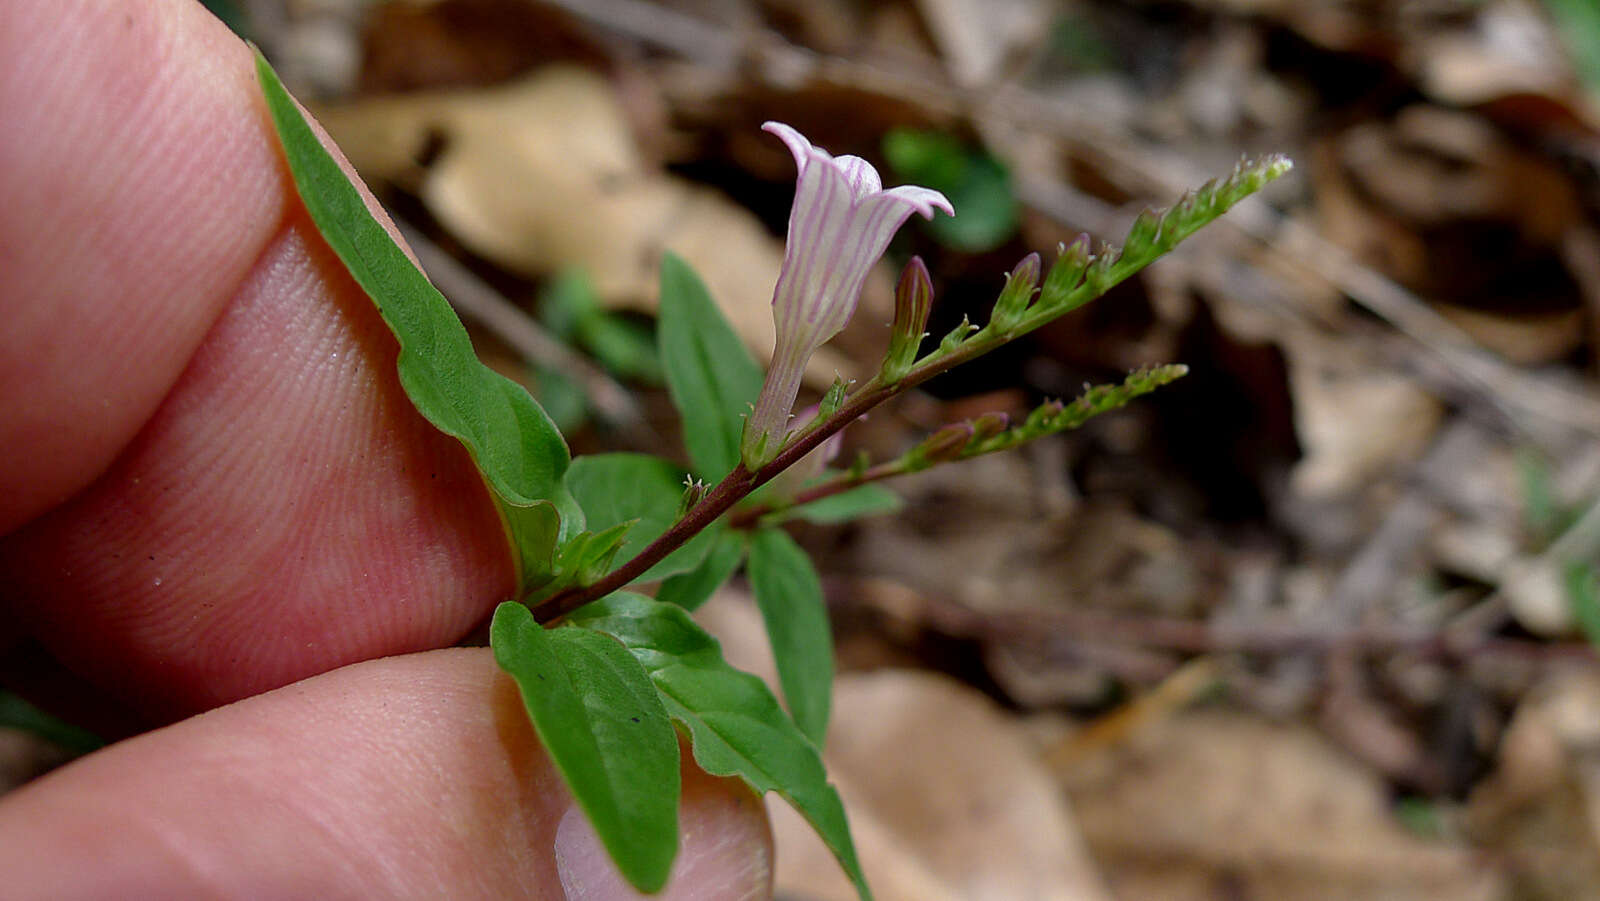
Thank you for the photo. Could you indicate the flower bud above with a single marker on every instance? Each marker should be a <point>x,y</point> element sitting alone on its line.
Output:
<point>942,446</point>
<point>1143,235</point>
<point>1066,274</point>
<point>957,335</point>
<point>989,425</point>
<point>913,299</point>
<point>1043,415</point>
<point>1017,294</point>
<point>694,491</point>
<point>1097,278</point>
<point>833,399</point>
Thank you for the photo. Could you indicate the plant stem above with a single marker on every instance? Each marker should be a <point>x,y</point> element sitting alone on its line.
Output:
<point>744,519</point>
<point>739,483</point>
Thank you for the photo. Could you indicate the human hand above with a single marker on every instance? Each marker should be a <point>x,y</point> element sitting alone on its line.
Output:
<point>214,492</point>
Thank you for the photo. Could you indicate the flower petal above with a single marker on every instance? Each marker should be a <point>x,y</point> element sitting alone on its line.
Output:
<point>840,224</point>
<point>859,173</point>
<point>923,200</point>
<point>795,141</point>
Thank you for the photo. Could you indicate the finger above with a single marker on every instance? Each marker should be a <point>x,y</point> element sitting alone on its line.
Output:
<point>410,777</point>
<point>136,192</point>
<point>252,498</point>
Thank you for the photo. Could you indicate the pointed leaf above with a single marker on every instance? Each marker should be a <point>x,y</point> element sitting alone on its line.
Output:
<point>734,722</point>
<point>514,444</point>
<point>691,589</point>
<point>711,377</point>
<point>790,597</point>
<point>604,726</point>
<point>616,488</point>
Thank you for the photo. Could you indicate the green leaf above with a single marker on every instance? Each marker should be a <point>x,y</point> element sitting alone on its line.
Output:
<point>734,722</point>
<point>515,445</point>
<point>1542,512</point>
<point>16,713</point>
<point>1584,598</point>
<point>790,597</point>
<point>232,15</point>
<point>645,490</point>
<point>863,500</point>
<point>626,348</point>
<point>1578,24</point>
<point>691,589</point>
<point>604,726</point>
<point>561,396</point>
<point>978,185</point>
<point>711,377</point>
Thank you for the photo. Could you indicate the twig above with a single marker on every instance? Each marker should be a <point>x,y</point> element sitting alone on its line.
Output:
<point>1040,627</point>
<point>1374,570</point>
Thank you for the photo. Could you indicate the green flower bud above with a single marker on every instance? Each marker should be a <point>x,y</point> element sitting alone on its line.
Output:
<point>1017,295</point>
<point>913,300</point>
<point>1066,274</point>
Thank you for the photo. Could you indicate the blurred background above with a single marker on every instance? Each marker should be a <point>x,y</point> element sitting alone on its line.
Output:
<point>1315,622</point>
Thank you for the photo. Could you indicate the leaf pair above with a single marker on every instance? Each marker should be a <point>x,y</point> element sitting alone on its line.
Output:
<point>599,690</point>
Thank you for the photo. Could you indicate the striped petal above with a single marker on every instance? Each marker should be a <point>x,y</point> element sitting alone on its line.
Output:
<point>840,224</point>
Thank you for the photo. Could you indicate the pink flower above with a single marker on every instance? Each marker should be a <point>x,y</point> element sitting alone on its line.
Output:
<point>840,224</point>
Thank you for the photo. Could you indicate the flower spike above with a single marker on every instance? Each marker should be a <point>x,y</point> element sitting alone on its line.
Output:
<point>840,224</point>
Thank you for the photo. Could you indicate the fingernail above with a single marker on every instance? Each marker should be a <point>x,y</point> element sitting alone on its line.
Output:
<point>725,852</point>
<point>586,871</point>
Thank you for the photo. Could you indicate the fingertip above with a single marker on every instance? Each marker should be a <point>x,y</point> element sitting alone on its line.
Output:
<point>725,848</point>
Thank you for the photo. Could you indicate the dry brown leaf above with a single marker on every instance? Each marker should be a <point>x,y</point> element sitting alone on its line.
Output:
<point>1354,421</point>
<point>1541,807</point>
<point>1528,339</point>
<point>1273,811</point>
<point>1507,47</point>
<point>543,174</point>
<point>946,794</point>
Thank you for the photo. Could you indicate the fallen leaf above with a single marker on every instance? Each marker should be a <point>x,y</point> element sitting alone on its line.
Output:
<point>1540,808</point>
<point>1214,798</point>
<point>542,174</point>
<point>947,796</point>
<point>1354,421</point>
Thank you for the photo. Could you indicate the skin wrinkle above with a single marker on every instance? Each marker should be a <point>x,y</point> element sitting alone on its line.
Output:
<point>358,460</point>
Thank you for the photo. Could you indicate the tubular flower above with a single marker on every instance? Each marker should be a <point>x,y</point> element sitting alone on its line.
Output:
<point>840,224</point>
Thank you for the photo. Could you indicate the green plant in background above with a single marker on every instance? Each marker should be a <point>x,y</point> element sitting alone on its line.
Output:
<point>975,182</point>
<point>1566,538</point>
<point>569,308</point>
<point>611,676</point>
<point>1578,23</point>
<point>16,713</point>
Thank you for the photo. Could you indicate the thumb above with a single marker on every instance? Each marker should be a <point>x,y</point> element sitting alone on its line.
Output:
<point>406,777</point>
